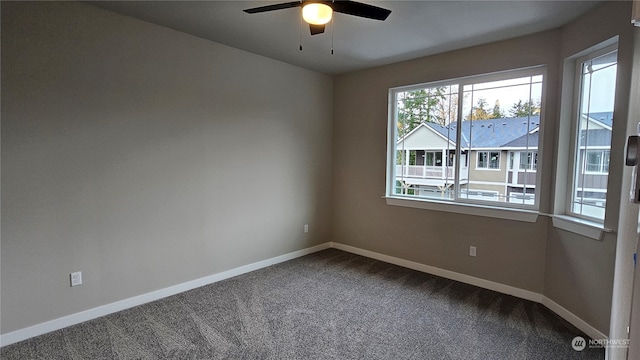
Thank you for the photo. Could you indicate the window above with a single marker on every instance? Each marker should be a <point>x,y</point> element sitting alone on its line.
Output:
<point>488,160</point>
<point>527,160</point>
<point>597,161</point>
<point>593,121</point>
<point>462,128</point>
<point>433,158</point>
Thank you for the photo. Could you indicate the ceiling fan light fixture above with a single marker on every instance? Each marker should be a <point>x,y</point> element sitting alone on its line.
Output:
<point>317,13</point>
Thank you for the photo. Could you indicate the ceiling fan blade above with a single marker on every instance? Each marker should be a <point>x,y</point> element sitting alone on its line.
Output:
<point>281,6</point>
<point>316,29</point>
<point>359,9</point>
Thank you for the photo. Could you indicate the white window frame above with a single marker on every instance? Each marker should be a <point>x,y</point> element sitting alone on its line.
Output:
<point>504,210</point>
<point>574,155</point>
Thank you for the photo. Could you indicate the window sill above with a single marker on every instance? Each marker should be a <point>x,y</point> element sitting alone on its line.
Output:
<point>579,226</point>
<point>467,209</point>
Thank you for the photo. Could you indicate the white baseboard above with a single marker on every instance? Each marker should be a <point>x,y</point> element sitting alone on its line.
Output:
<point>486,284</point>
<point>65,321</point>
<point>572,319</point>
<point>467,279</point>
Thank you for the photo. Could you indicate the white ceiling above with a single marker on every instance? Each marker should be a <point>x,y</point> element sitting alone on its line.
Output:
<point>414,28</point>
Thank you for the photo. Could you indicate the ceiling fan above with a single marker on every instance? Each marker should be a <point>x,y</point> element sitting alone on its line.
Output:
<point>319,13</point>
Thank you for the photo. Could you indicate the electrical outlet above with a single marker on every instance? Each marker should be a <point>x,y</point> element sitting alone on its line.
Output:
<point>306,228</point>
<point>76,278</point>
<point>472,251</point>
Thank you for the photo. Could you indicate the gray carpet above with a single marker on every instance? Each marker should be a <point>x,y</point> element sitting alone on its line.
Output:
<point>327,305</point>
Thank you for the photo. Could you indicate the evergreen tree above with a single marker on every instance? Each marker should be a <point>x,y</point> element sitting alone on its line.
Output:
<point>523,109</point>
<point>480,112</point>
<point>448,109</point>
<point>497,112</point>
<point>420,106</point>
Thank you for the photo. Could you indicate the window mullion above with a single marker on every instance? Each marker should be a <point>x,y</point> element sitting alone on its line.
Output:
<point>458,166</point>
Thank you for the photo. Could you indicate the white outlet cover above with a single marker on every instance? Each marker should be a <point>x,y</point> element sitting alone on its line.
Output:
<point>76,278</point>
<point>472,251</point>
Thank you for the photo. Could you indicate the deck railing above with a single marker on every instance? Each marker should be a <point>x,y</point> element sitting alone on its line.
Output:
<point>430,172</point>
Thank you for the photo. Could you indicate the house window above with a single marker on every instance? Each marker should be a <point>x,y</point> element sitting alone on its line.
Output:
<point>474,120</point>
<point>433,158</point>
<point>488,160</point>
<point>414,156</point>
<point>597,161</point>
<point>593,121</point>
<point>528,160</point>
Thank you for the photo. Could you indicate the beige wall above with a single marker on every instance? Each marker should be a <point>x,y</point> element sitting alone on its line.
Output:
<point>574,271</point>
<point>145,158</point>
<point>579,272</point>
<point>509,252</point>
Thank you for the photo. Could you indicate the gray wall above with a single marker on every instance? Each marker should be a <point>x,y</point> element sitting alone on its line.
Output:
<point>574,271</point>
<point>145,158</point>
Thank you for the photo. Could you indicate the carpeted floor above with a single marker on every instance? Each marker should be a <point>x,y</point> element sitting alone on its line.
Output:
<point>327,305</point>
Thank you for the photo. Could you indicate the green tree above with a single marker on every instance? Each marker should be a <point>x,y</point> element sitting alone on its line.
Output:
<point>448,109</point>
<point>525,108</point>
<point>480,112</point>
<point>419,106</point>
<point>497,112</point>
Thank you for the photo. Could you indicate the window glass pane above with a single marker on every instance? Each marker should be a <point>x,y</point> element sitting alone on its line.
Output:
<point>593,131</point>
<point>425,120</point>
<point>525,160</point>
<point>606,156</point>
<point>412,157</point>
<point>494,160</point>
<point>482,159</point>
<point>498,116</point>
<point>594,161</point>
<point>435,144</point>
<point>430,159</point>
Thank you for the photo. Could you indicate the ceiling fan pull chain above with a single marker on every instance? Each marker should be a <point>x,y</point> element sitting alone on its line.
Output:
<point>300,29</point>
<point>333,29</point>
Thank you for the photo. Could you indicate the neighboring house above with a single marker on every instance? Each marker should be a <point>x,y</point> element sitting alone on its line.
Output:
<point>498,159</point>
<point>595,144</point>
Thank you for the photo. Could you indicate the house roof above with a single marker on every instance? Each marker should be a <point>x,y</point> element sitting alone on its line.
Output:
<point>604,117</point>
<point>512,132</point>
<point>492,133</point>
<point>525,141</point>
